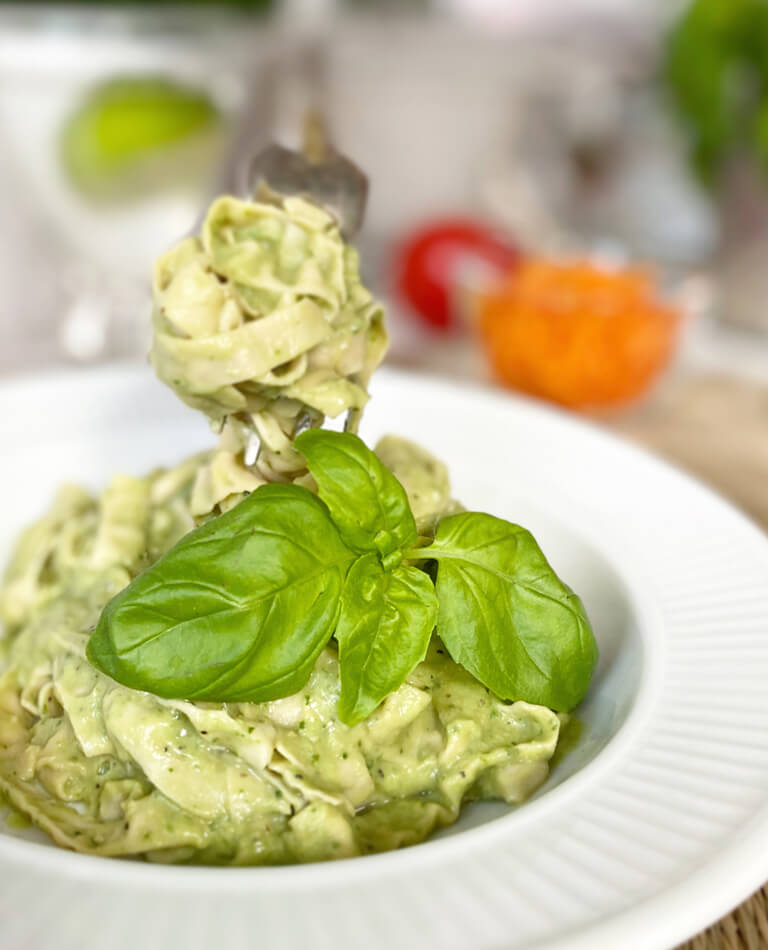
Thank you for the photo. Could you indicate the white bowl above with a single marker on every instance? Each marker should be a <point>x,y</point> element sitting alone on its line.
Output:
<point>654,826</point>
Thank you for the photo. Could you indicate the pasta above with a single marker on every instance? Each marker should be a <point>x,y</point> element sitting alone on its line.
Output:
<point>262,323</point>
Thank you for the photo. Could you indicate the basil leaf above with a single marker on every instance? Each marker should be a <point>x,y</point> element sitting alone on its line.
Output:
<point>239,609</point>
<point>368,504</point>
<point>505,615</point>
<point>387,619</point>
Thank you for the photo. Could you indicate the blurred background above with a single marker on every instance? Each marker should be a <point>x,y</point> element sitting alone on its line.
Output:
<point>568,199</point>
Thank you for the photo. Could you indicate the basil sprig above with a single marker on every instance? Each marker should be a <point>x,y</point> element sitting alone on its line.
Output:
<point>241,607</point>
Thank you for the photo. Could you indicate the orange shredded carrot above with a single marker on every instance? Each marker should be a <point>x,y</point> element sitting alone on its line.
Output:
<point>576,333</point>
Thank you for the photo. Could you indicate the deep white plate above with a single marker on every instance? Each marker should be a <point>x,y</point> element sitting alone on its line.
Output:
<point>653,828</point>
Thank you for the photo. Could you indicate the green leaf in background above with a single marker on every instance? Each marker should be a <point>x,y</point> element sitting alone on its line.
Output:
<point>368,504</point>
<point>716,70</point>
<point>238,610</point>
<point>505,616</point>
<point>122,123</point>
<point>386,623</point>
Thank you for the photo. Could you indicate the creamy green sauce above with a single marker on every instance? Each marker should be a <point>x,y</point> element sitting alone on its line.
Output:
<point>113,771</point>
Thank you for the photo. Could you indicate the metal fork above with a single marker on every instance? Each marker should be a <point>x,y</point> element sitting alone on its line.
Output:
<point>318,172</point>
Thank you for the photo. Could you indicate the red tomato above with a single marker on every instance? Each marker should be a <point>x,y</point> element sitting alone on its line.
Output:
<point>443,257</point>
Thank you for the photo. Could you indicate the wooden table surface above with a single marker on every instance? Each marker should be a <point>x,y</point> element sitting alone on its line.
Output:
<point>714,426</point>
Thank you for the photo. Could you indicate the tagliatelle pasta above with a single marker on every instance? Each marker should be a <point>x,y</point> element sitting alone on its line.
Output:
<point>114,771</point>
<point>262,323</point>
